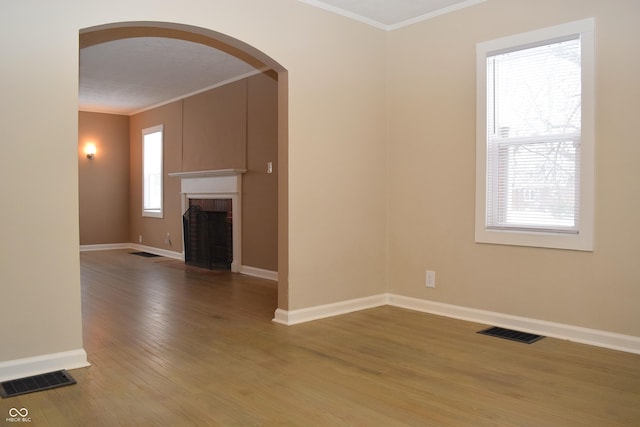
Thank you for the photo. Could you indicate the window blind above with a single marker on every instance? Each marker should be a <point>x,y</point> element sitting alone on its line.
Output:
<point>533,137</point>
<point>152,182</point>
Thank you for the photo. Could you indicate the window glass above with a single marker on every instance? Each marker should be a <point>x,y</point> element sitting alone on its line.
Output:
<point>152,171</point>
<point>535,138</point>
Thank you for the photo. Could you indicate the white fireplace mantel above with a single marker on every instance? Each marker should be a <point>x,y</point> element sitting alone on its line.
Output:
<point>217,184</point>
<point>214,172</point>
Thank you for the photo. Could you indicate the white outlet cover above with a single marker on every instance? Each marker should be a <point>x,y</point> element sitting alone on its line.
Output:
<point>431,279</point>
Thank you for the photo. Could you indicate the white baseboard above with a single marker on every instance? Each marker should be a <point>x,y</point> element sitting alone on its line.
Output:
<point>20,368</point>
<point>598,338</point>
<point>157,251</point>
<point>281,316</point>
<point>292,317</point>
<point>259,272</point>
<point>578,334</point>
<point>611,340</point>
<point>104,247</point>
<point>242,269</point>
<point>133,246</point>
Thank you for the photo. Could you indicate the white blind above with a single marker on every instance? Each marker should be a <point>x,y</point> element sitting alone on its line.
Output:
<point>533,137</point>
<point>152,171</point>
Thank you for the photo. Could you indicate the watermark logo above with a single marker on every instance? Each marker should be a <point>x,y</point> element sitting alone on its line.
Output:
<point>18,416</point>
<point>22,412</point>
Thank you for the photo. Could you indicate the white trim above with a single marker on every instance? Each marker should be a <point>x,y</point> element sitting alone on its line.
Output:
<point>259,272</point>
<point>244,269</point>
<point>187,95</point>
<point>153,213</point>
<point>281,316</point>
<point>434,14</point>
<point>302,315</point>
<point>157,251</point>
<point>584,240</point>
<point>593,337</point>
<point>134,246</point>
<point>217,184</point>
<point>208,173</point>
<point>346,13</point>
<point>390,27</point>
<point>104,247</point>
<point>20,368</point>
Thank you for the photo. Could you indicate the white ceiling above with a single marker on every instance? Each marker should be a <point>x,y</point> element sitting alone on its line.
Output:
<point>391,14</point>
<point>130,75</point>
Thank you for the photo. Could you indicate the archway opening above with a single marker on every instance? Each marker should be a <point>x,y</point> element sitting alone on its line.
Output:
<point>255,58</point>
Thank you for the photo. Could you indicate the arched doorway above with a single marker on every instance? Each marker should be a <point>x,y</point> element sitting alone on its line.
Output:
<point>252,56</point>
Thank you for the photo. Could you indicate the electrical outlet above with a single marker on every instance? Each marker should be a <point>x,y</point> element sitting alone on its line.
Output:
<point>431,279</point>
<point>140,238</point>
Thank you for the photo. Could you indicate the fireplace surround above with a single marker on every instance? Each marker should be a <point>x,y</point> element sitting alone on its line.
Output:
<point>217,184</point>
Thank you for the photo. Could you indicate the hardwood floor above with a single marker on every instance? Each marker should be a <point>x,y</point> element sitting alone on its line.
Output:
<point>172,345</point>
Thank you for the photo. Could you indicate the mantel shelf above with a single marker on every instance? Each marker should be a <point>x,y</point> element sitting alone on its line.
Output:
<point>209,173</point>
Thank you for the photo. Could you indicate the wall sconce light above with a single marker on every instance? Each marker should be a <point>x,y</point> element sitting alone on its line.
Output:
<point>90,150</point>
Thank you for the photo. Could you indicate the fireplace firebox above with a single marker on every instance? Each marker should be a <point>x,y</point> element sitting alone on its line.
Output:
<point>217,184</point>
<point>208,233</point>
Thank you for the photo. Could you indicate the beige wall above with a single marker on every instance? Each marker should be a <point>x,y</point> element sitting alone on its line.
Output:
<point>336,150</point>
<point>432,172</point>
<point>337,159</point>
<point>345,169</point>
<point>39,259</point>
<point>103,181</point>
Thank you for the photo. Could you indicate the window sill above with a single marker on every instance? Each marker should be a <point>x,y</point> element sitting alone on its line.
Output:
<point>576,242</point>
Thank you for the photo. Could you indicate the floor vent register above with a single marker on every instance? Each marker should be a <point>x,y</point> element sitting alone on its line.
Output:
<point>35,383</point>
<point>510,334</point>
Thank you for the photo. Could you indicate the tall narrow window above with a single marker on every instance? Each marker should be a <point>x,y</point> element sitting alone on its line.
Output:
<point>152,171</point>
<point>535,143</point>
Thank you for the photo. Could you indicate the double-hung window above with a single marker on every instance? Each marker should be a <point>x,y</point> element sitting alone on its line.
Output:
<point>152,171</point>
<point>535,138</point>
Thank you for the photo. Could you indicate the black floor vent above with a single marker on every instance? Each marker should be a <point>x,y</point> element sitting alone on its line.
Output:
<point>35,383</point>
<point>144,254</point>
<point>510,334</point>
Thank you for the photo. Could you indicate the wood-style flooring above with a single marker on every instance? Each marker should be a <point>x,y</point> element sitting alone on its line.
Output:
<point>172,345</point>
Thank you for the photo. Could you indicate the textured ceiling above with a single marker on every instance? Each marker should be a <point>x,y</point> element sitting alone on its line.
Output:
<point>129,75</point>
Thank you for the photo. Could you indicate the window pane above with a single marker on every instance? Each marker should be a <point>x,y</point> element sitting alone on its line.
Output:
<point>536,91</point>
<point>152,171</point>
<point>533,141</point>
<point>536,186</point>
<point>535,138</point>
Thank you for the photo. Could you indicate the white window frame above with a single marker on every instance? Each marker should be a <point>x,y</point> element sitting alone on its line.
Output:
<point>153,213</point>
<point>583,239</point>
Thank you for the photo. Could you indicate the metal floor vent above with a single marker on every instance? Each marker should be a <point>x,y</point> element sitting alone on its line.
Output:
<point>35,383</point>
<point>510,334</point>
<point>144,254</point>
